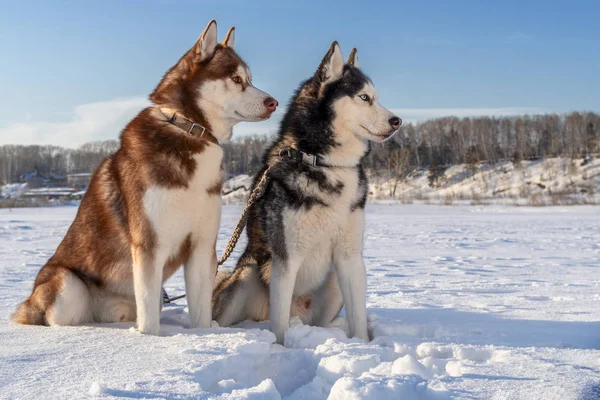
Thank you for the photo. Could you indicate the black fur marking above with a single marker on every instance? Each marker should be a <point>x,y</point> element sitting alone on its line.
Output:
<point>285,170</point>
<point>352,81</point>
<point>272,209</point>
<point>363,184</point>
<point>296,199</point>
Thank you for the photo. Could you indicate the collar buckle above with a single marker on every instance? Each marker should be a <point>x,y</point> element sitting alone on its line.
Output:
<point>300,156</point>
<point>310,159</point>
<point>288,151</point>
<point>187,126</point>
<point>196,125</point>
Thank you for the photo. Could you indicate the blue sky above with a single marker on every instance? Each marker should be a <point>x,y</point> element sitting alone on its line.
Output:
<point>72,72</point>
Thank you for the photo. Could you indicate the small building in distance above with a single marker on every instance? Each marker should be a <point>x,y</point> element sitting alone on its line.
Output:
<point>56,180</point>
<point>32,179</point>
<point>79,181</point>
<point>37,180</point>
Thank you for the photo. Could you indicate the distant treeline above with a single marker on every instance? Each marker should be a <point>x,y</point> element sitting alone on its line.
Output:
<point>17,160</point>
<point>438,142</point>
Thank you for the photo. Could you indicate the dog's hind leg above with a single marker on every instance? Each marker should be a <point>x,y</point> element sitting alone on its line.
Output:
<point>147,283</point>
<point>199,274</point>
<point>72,305</point>
<point>327,301</point>
<point>109,307</point>
<point>242,296</point>
<point>62,299</point>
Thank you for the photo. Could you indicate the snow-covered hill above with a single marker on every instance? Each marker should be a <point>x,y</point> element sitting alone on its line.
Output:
<point>463,303</point>
<point>235,190</point>
<point>552,181</point>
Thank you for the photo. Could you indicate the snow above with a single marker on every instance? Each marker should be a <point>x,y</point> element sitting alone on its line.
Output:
<point>97,389</point>
<point>464,303</point>
<point>551,181</point>
<point>301,336</point>
<point>12,190</point>
<point>235,190</point>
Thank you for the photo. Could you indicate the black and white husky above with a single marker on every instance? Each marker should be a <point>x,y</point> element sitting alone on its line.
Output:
<point>305,234</point>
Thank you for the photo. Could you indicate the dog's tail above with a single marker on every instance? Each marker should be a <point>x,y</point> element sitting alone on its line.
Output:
<point>28,314</point>
<point>49,284</point>
<point>221,283</point>
<point>222,275</point>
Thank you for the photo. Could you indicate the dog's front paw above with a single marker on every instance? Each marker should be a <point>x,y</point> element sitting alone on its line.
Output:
<point>149,329</point>
<point>362,334</point>
<point>201,325</point>
<point>279,337</point>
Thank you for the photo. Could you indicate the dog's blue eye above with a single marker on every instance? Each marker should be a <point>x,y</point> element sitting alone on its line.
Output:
<point>364,97</point>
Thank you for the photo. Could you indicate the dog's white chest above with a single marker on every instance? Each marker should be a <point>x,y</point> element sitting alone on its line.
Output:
<point>176,213</point>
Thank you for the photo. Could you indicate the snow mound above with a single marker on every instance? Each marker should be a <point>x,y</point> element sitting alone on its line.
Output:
<point>97,389</point>
<point>265,390</point>
<point>374,387</point>
<point>300,336</point>
<point>353,369</point>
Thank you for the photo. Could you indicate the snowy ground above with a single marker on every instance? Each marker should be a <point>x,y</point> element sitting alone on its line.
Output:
<point>464,302</point>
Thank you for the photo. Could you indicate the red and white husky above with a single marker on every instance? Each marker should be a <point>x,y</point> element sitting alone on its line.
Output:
<point>155,204</point>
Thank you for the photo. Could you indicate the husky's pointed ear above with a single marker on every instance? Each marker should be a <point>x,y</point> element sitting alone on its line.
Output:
<point>229,38</point>
<point>332,65</point>
<point>205,46</point>
<point>353,58</point>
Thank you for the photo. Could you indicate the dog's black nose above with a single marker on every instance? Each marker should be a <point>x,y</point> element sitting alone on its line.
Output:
<point>395,122</point>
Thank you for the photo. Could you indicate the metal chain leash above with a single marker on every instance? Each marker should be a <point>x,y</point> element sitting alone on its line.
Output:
<point>237,232</point>
<point>239,228</point>
<point>258,190</point>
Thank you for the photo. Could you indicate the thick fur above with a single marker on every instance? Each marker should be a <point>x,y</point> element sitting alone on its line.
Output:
<point>305,234</point>
<point>154,204</point>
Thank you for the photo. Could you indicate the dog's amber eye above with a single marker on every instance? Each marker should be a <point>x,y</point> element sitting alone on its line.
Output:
<point>364,97</point>
<point>236,79</point>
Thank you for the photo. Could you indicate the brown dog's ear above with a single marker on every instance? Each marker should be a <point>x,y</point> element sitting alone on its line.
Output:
<point>331,66</point>
<point>353,58</point>
<point>205,46</point>
<point>229,38</point>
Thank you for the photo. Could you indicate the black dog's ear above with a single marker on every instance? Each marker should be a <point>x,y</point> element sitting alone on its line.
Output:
<point>331,66</point>
<point>229,38</point>
<point>206,45</point>
<point>353,58</point>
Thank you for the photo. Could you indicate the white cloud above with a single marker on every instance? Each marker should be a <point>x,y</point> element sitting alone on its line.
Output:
<point>104,120</point>
<point>87,122</point>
